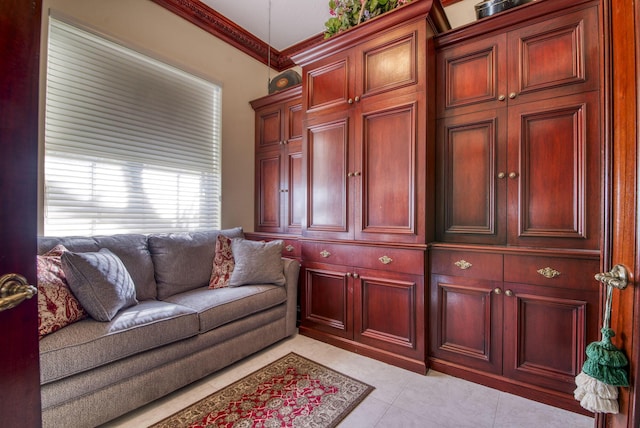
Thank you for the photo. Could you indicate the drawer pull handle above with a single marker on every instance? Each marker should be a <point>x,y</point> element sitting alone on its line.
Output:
<point>289,248</point>
<point>548,272</point>
<point>463,264</point>
<point>325,253</point>
<point>385,260</point>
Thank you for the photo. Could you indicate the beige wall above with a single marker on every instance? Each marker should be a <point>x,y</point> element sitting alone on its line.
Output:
<point>151,29</point>
<point>461,13</point>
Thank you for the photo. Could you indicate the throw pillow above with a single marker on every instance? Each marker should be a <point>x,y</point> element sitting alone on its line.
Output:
<point>257,262</point>
<point>57,306</point>
<point>223,263</point>
<point>100,281</point>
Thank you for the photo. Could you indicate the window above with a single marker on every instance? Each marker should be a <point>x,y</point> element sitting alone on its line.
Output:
<point>131,144</point>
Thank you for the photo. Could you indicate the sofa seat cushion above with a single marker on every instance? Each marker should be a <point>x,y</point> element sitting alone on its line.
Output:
<point>89,344</point>
<point>224,305</point>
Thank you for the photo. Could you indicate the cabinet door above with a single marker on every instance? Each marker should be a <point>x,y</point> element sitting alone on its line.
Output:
<point>329,177</point>
<point>293,188</point>
<point>466,320</point>
<point>329,83</point>
<point>473,75</point>
<point>554,173</point>
<point>389,311</point>
<point>268,191</point>
<point>471,169</point>
<point>293,184</point>
<point>390,172</point>
<point>546,331</point>
<point>391,62</point>
<point>556,57</point>
<point>269,130</point>
<point>327,299</point>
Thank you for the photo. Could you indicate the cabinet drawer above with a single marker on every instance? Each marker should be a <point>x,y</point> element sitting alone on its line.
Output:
<point>467,264</point>
<point>370,257</point>
<point>552,271</point>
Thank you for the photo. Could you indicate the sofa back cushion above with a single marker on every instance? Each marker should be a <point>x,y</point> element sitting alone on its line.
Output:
<point>183,261</point>
<point>132,249</point>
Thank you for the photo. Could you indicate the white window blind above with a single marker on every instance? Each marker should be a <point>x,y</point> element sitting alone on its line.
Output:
<point>131,144</point>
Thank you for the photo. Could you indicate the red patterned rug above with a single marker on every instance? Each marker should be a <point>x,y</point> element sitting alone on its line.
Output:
<point>292,391</point>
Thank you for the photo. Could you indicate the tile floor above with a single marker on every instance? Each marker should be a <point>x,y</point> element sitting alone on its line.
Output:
<point>401,398</point>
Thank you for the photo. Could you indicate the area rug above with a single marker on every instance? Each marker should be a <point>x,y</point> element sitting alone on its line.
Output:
<point>290,392</point>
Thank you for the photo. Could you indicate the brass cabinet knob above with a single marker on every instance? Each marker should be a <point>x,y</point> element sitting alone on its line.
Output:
<point>463,264</point>
<point>497,290</point>
<point>348,274</point>
<point>350,100</point>
<point>350,174</point>
<point>356,276</point>
<point>501,175</point>
<point>357,173</point>
<point>548,272</point>
<point>501,97</point>
<point>512,95</point>
<point>508,293</point>
<point>513,175</point>
<point>357,99</point>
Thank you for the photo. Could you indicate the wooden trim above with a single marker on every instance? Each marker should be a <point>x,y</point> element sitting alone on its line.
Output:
<point>216,24</point>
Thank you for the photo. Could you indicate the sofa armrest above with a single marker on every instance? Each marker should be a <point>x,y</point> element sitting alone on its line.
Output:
<point>291,272</point>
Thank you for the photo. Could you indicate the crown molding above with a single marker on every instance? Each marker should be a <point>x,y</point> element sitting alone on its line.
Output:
<point>216,24</point>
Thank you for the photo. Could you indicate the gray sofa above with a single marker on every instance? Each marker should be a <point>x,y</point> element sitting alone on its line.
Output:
<point>178,332</point>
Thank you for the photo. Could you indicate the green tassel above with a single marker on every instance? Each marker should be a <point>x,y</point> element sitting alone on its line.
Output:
<point>605,362</point>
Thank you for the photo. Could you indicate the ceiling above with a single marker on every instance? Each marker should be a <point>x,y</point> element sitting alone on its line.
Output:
<point>279,23</point>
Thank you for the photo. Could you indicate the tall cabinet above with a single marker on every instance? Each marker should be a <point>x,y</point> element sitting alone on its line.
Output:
<point>279,188</point>
<point>368,101</point>
<point>519,199</point>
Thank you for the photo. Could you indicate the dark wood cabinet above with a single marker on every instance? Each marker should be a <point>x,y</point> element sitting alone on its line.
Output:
<point>527,317</point>
<point>376,306</point>
<point>366,157</point>
<point>519,142</point>
<point>519,220</point>
<point>279,187</point>
<point>368,148</point>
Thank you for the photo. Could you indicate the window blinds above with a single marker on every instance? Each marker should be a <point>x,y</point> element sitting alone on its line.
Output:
<point>131,144</point>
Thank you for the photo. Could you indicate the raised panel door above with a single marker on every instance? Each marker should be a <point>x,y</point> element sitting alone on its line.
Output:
<point>268,191</point>
<point>473,76</point>
<point>391,62</point>
<point>294,187</point>
<point>329,193</point>
<point>329,83</point>
<point>471,169</point>
<point>389,311</point>
<point>555,57</point>
<point>546,331</point>
<point>554,173</point>
<point>466,320</point>
<point>269,130</point>
<point>327,299</point>
<point>390,172</point>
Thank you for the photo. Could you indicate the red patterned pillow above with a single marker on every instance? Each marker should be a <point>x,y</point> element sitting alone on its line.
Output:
<point>57,306</point>
<point>223,263</point>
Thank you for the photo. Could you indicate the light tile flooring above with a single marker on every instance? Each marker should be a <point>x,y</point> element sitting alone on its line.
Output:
<point>401,399</point>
